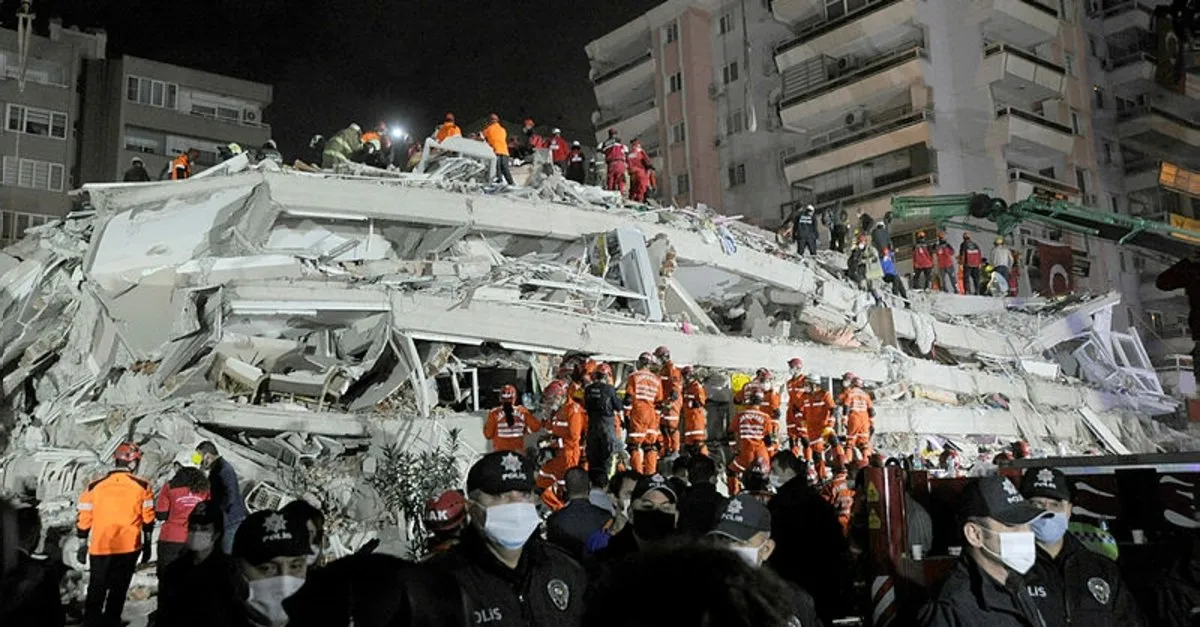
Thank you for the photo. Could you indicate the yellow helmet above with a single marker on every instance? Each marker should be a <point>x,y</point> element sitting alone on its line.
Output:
<point>999,241</point>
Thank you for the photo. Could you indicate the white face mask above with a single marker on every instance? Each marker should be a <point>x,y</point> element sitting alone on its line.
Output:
<point>200,541</point>
<point>267,595</point>
<point>749,554</point>
<point>510,525</point>
<point>1018,549</point>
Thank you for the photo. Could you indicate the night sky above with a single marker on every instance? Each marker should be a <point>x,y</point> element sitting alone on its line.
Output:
<point>337,61</point>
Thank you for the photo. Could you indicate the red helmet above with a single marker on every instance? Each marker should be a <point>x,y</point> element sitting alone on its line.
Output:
<point>645,359</point>
<point>528,121</point>
<point>508,394</point>
<point>662,352</point>
<point>603,370</point>
<point>449,117</point>
<point>762,374</point>
<point>447,512</point>
<point>687,371</point>
<point>612,132</point>
<point>127,452</point>
<point>849,376</point>
<point>795,362</point>
<point>556,389</point>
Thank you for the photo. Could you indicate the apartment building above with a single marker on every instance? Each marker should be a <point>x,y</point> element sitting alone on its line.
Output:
<point>137,107</point>
<point>42,107</point>
<point>693,79</point>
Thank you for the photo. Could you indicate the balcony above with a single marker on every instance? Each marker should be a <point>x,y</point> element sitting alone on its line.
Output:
<point>878,200</point>
<point>1134,68</point>
<point>1032,135</point>
<point>837,149</point>
<point>883,24</point>
<point>611,84</point>
<point>633,122</point>
<point>1158,132</point>
<point>1121,16</point>
<point>1025,23</point>
<point>1022,184</point>
<point>891,72</point>
<point>792,11</point>
<point>1021,76</point>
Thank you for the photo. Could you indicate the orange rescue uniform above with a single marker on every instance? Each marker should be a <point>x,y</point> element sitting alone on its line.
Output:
<point>838,493</point>
<point>796,388</point>
<point>749,428</point>
<point>771,400</point>
<point>695,416</point>
<point>817,409</point>
<point>510,437</point>
<point>859,420</point>
<point>568,426</point>
<point>447,129</point>
<point>113,511</point>
<point>643,393</point>
<point>497,138</point>
<point>181,167</point>
<point>672,384</point>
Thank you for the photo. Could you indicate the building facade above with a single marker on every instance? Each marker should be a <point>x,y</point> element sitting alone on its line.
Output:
<point>141,108</point>
<point>40,140</point>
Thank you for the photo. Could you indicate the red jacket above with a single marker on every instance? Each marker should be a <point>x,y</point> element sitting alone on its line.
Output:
<point>639,161</point>
<point>559,148</point>
<point>945,256</point>
<point>922,258</point>
<point>174,505</point>
<point>614,151</point>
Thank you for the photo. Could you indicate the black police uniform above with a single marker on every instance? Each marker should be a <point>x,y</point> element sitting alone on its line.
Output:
<point>544,590</point>
<point>602,403</point>
<point>1080,587</point>
<point>804,231</point>
<point>969,597</point>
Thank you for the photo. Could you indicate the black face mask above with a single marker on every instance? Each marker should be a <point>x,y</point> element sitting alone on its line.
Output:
<point>651,524</point>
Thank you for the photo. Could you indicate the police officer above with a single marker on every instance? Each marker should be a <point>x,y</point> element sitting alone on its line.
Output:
<point>804,230</point>
<point>117,514</point>
<point>1070,584</point>
<point>509,575</point>
<point>986,586</point>
<point>603,406</point>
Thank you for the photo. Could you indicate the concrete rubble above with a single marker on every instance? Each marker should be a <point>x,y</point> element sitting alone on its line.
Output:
<point>305,322</point>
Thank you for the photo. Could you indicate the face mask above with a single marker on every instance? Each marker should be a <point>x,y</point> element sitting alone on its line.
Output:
<point>267,595</point>
<point>1051,529</point>
<point>1018,550</point>
<point>200,541</point>
<point>651,524</point>
<point>511,525</point>
<point>749,554</point>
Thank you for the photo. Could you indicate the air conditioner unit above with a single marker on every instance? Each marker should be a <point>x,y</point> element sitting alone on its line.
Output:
<point>845,64</point>
<point>855,118</point>
<point>250,116</point>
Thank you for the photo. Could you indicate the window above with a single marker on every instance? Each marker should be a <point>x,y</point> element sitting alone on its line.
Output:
<point>735,122</point>
<point>737,175</point>
<point>834,9</point>
<point>675,83</point>
<point>22,119</point>
<point>151,93</point>
<point>726,24</point>
<point>1106,153</point>
<point>142,144</point>
<point>766,5</point>
<point>1082,177</point>
<point>683,184</point>
<point>1121,256</point>
<point>1076,124</point>
<point>41,71</point>
<point>14,223</point>
<point>1114,204</point>
<point>678,133</point>
<point>1099,96</point>
<point>1093,48</point>
<point>729,73</point>
<point>34,174</point>
<point>1069,62</point>
<point>671,33</point>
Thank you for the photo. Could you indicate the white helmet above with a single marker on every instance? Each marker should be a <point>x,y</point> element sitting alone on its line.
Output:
<point>356,127</point>
<point>557,131</point>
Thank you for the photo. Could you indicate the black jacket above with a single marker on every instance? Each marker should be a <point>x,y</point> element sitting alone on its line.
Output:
<point>29,595</point>
<point>804,226</point>
<point>545,589</point>
<point>571,526</point>
<point>806,531</point>
<point>1185,275</point>
<point>201,595</point>
<point>1177,591</point>
<point>802,607</point>
<point>601,402</point>
<point>1080,587</point>
<point>698,509</point>
<point>136,174</point>
<point>971,598</point>
<point>223,482</point>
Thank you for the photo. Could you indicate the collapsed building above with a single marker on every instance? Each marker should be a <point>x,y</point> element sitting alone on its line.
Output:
<point>308,323</point>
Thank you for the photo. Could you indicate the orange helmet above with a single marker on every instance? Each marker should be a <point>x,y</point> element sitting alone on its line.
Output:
<point>556,389</point>
<point>508,394</point>
<point>127,452</point>
<point>795,362</point>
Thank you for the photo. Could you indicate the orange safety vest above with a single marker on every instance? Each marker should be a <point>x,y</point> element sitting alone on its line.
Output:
<point>506,437</point>
<point>113,511</point>
<point>796,389</point>
<point>497,138</point>
<point>447,129</point>
<point>178,163</point>
<point>644,388</point>
<point>569,424</point>
<point>751,426</point>
<point>695,416</point>
<point>672,385</point>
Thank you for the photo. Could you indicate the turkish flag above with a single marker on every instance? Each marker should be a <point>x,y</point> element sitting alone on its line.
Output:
<point>1055,263</point>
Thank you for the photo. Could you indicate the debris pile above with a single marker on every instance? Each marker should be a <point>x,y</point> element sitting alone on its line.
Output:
<point>313,325</point>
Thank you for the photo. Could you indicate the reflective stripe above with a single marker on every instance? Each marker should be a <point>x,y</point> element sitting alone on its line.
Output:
<point>148,503</point>
<point>652,432</point>
<point>85,507</point>
<point>694,432</point>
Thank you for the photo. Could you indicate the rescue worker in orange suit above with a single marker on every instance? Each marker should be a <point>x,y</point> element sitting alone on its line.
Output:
<point>559,149</point>
<point>643,395</point>
<point>922,263</point>
<point>568,425</point>
<point>576,168</point>
<point>508,424</point>
<point>616,160</point>
<point>695,414</point>
<point>751,432</point>
<point>181,166</point>
<point>496,137</point>
<point>839,494</point>
<point>817,407</point>
<point>859,412</point>
<point>533,141</point>
<point>796,387</point>
<point>115,525</point>
<point>762,385</point>
<point>447,129</point>
<point>639,166</point>
<point>581,375</point>
<point>672,409</point>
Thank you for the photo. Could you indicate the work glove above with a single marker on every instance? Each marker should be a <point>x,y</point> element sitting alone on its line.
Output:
<point>82,554</point>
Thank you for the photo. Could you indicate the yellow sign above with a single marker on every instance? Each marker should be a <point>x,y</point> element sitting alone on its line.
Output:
<point>873,520</point>
<point>872,493</point>
<point>1187,224</point>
